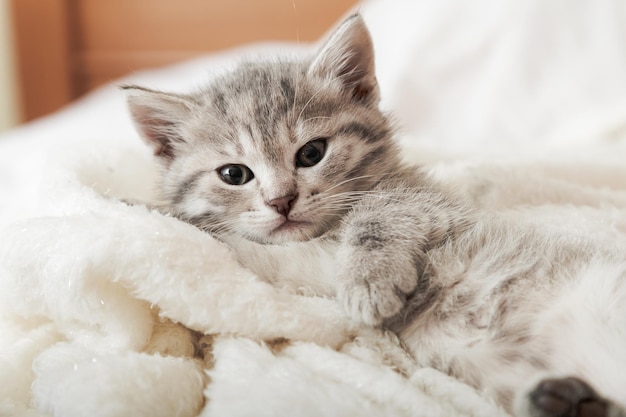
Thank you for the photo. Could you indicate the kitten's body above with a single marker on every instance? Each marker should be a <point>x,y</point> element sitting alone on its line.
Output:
<point>298,154</point>
<point>499,306</point>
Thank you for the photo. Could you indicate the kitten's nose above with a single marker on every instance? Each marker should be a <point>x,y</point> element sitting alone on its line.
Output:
<point>283,205</point>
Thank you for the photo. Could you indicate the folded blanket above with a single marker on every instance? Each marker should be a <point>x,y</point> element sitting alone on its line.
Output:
<point>105,300</point>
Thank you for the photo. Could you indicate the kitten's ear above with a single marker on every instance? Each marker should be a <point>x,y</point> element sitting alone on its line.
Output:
<point>349,55</point>
<point>158,117</point>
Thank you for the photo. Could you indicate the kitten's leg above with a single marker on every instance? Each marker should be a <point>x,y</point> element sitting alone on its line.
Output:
<point>383,249</point>
<point>377,271</point>
<point>568,397</point>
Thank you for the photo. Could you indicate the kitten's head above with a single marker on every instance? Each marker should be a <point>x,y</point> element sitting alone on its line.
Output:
<point>274,151</point>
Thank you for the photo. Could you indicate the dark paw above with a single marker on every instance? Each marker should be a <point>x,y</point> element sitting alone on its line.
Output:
<point>567,397</point>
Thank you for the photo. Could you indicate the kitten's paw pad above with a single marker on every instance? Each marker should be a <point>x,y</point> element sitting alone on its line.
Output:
<point>372,302</point>
<point>566,397</point>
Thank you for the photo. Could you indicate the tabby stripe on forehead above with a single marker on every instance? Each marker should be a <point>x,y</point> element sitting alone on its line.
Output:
<point>187,185</point>
<point>289,93</point>
<point>219,102</point>
<point>367,133</point>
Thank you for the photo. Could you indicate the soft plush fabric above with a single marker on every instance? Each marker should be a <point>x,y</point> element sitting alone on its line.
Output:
<point>519,105</point>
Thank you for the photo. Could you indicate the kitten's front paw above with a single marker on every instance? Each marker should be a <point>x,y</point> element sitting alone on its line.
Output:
<point>377,288</point>
<point>371,303</point>
<point>381,263</point>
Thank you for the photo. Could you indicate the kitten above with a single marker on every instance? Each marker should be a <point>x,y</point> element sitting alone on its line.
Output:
<point>292,159</point>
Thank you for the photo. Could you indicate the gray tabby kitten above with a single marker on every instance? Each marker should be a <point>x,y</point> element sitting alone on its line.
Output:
<point>293,165</point>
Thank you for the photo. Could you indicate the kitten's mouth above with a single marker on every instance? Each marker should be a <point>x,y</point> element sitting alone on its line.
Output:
<point>291,230</point>
<point>290,225</point>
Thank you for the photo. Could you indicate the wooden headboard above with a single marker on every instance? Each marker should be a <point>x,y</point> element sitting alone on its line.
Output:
<point>67,47</point>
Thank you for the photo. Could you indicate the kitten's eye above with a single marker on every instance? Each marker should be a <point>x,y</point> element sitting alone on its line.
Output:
<point>236,174</point>
<point>311,153</point>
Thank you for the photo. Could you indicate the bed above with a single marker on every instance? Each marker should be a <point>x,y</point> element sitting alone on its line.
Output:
<point>521,106</point>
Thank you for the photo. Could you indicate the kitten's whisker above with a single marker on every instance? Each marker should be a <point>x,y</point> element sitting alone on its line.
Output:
<point>380,176</point>
<point>295,97</point>
<point>350,197</point>
<point>347,181</point>
<point>316,118</point>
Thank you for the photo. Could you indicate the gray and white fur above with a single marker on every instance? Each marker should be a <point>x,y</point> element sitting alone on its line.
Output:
<point>292,164</point>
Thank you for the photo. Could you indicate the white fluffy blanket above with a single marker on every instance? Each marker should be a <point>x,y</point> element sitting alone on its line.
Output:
<point>521,105</point>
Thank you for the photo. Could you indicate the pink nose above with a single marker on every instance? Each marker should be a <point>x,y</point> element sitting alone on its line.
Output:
<point>283,205</point>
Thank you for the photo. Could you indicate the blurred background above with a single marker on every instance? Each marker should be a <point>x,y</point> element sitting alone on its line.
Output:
<point>54,51</point>
<point>9,105</point>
